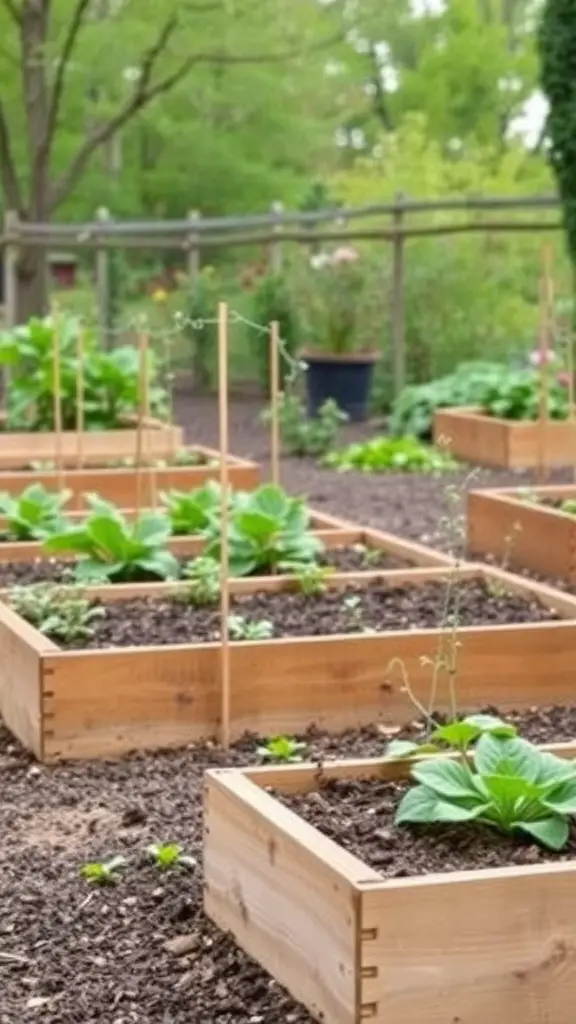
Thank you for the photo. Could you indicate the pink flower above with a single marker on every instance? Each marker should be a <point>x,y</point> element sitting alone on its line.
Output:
<point>345,255</point>
<point>538,356</point>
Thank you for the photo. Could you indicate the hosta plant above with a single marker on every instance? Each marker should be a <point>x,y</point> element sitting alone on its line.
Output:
<point>267,530</point>
<point>34,514</point>
<point>392,455</point>
<point>111,549</point>
<point>193,512</point>
<point>505,782</point>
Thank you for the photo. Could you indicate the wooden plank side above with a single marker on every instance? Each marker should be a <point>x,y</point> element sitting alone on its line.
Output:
<point>412,551</point>
<point>105,703</point>
<point>522,535</point>
<point>346,682</point>
<point>468,435</point>
<point>558,449</point>
<point>119,485</point>
<point>21,704</point>
<point>287,894</point>
<point>18,449</point>
<point>471,947</point>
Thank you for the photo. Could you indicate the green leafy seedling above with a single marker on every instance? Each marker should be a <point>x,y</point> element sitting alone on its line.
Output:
<point>203,578</point>
<point>169,855</point>
<point>105,872</point>
<point>312,579</point>
<point>242,629</point>
<point>282,749</point>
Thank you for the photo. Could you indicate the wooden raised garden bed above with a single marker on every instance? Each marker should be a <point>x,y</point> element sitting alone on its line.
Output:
<point>103,702</point>
<point>120,484</point>
<point>159,441</point>
<point>465,947</point>
<point>520,533</point>
<point>471,435</point>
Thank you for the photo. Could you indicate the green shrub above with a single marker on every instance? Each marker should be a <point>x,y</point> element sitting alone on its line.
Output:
<point>413,410</point>
<point>303,435</point>
<point>391,454</point>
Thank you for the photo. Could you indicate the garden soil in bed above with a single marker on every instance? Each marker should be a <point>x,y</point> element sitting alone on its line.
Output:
<point>352,559</point>
<point>170,620</point>
<point>143,952</point>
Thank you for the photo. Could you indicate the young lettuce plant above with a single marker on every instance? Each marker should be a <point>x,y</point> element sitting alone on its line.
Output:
<point>268,529</point>
<point>34,514</point>
<point>282,749</point>
<point>242,629</point>
<point>106,872</point>
<point>111,549</point>
<point>169,855</point>
<point>506,783</point>
<point>194,512</point>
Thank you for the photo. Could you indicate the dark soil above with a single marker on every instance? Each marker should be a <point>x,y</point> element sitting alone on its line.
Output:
<point>155,621</point>
<point>354,559</point>
<point>72,954</point>
<point>359,815</point>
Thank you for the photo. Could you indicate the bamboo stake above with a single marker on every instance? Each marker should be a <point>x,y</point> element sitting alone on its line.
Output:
<point>80,405</point>
<point>570,371</point>
<point>170,389</point>
<point>275,402</point>
<point>142,408</point>
<point>57,396</point>
<point>224,559</point>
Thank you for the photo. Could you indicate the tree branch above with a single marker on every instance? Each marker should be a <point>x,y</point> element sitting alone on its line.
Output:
<point>145,91</point>
<point>379,98</point>
<point>56,98</point>
<point>10,185</point>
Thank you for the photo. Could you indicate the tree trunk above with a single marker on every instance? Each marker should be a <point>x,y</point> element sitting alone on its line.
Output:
<point>32,278</point>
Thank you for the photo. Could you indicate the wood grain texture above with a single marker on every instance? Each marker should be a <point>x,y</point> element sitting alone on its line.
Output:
<point>469,946</point>
<point>19,449</point>
<point>21,700</point>
<point>119,484</point>
<point>287,895</point>
<point>484,440</point>
<point>522,535</point>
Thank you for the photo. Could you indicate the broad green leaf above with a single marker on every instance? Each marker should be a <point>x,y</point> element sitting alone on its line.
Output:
<point>421,805</point>
<point>100,507</point>
<point>74,540</point>
<point>457,734</point>
<point>509,790</point>
<point>270,501</point>
<point>507,756</point>
<point>555,769</point>
<point>552,832</point>
<point>491,724</point>
<point>445,777</point>
<point>163,564</point>
<point>257,525</point>
<point>109,537</point>
<point>90,571</point>
<point>152,529</point>
<point>562,799</point>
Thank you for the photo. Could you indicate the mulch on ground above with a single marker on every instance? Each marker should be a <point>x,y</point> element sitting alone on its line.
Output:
<point>143,953</point>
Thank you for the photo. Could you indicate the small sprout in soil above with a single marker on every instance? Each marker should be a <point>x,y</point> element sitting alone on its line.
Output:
<point>282,749</point>
<point>60,612</point>
<point>203,578</point>
<point>569,506</point>
<point>312,579</point>
<point>507,784</point>
<point>352,603</point>
<point>241,629</point>
<point>169,855</point>
<point>106,872</point>
<point>370,556</point>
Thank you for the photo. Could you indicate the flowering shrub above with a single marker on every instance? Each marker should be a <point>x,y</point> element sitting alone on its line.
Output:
<point>336,302</point>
